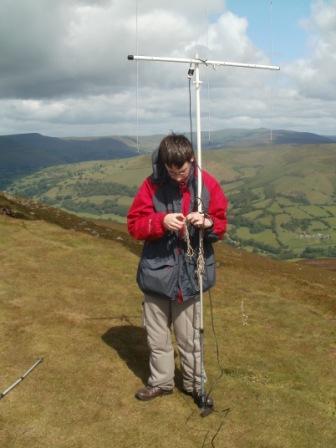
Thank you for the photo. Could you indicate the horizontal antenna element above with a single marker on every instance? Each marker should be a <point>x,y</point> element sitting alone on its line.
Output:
<point>205,62</point>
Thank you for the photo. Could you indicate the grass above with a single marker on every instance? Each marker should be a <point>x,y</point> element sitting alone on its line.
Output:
<point>318,226</point>
<point>71,298</point>
<point>106,216</point>
<point>253,215</point>
<point>315,211</point>
<point>266,220</point>
<point>331,221</point>
<point>297,212</point>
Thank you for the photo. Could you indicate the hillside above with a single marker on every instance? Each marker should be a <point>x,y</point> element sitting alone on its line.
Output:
<point>71,298</point>
<point>282,197</point>
<point>19,208</point>
<point>25,153</point>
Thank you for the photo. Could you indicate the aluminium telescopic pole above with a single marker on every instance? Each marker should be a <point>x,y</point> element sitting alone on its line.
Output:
<point>198,83</point>
<point>11,387</point>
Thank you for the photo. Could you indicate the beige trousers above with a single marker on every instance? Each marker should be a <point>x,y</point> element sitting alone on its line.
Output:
<point>159,316</point>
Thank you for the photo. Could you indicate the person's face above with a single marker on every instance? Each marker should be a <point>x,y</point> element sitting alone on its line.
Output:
<point>179,174</point>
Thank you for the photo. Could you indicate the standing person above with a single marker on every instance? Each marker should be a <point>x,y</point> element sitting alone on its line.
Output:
<point>163,213</point>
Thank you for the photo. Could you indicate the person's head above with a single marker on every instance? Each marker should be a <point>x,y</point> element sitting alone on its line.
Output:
<point>177,155</point>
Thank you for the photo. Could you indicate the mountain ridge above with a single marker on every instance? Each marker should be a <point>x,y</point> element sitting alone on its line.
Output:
<point>22,154</point>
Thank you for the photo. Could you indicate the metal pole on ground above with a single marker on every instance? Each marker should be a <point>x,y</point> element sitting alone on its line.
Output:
<point>5,392</point>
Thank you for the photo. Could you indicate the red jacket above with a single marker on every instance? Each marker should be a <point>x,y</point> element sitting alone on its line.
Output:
<point>164,269</point>
<point>145,222</point>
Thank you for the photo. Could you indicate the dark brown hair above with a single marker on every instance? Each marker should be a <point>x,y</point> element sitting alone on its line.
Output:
<point>175,150</point>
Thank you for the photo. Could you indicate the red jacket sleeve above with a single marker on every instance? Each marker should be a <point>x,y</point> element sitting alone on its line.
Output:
<point>218,204</point>
<point>143,221</point>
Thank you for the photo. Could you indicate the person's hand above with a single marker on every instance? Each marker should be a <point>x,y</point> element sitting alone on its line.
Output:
<point>199,220</point>
<point>174,221</point>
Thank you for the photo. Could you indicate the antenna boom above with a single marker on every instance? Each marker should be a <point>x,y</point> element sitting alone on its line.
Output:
<point>205,62</point>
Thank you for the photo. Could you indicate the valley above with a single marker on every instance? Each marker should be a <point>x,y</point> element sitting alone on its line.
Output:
<point>282,197</point>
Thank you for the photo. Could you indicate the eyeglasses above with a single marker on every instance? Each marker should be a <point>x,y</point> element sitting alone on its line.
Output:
<point>177,173</point>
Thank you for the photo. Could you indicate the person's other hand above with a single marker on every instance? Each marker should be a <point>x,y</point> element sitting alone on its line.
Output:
<point>174,221</point>
<point>199,220</point>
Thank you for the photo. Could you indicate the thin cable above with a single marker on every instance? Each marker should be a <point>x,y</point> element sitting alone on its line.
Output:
<point>137,76</point>
<point>216,434</point>
<point>205,438</point>
<point>209,112</point>
<point>190,113</point>
<point>221,368</point>
<point>271,26</point>
<point>271,93</point>
<point>208,77</point>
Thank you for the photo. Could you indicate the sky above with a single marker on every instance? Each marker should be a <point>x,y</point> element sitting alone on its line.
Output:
<point>64,68</point>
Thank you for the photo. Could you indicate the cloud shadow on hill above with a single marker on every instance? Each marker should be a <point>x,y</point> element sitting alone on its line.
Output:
<point>130,342</point>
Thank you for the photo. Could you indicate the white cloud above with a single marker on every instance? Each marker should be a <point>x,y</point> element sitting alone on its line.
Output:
<point>66,71</point>
<point>315,76</point>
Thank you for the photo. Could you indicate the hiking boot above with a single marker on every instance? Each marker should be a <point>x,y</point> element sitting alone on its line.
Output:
<point>149,392</point>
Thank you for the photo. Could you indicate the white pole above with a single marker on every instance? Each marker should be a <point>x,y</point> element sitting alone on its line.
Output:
<point>198,83</point>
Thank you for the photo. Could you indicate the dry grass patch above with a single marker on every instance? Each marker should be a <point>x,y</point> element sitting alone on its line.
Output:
<point>72,299</point>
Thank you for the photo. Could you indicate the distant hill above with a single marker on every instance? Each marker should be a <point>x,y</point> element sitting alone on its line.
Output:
<point>260,137</point>
<point>239,138</point>
<point>21,154</point>
<point>25,153</point>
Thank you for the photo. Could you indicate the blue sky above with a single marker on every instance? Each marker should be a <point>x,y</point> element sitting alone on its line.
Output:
<point>66,72</point>
<point>277,21</point>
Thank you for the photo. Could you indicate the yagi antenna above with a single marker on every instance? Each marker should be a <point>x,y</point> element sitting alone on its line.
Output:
<point>194,64</point>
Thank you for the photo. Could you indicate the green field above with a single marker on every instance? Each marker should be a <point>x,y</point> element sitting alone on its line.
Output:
<point>282,198</point>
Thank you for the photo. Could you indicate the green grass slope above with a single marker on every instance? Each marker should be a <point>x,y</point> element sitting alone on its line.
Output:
<point>101,189</point>
<point>282,198</point>
<point>71,298</point>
